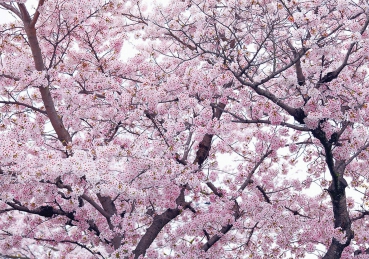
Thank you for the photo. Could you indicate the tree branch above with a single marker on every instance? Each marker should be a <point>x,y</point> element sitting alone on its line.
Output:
<point>37,13</point>
<point>159,222</point>
<point>55,119</point>
<point>12,9</point>
<point>248,179</point>
<point>25,105</point>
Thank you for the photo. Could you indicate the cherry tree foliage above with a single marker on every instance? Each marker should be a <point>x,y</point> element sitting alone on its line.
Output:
<point>238,130</point>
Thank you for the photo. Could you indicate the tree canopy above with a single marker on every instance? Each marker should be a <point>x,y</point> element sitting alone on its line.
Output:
<point>235,129</point>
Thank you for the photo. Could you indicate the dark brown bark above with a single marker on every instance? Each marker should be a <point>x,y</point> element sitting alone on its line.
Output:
<point>338,197</point>
<point>159,222</point>
<point>300,75</point>
<point>204,149</point>
<point>205,145</point>
<point>215,238</point>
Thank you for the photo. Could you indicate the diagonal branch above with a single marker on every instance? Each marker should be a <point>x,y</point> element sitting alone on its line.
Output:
<point>95,205</point>
<point>159,222</point>
<point>55,119</point>
<point>216,238</point>
<point>334,74</point>
<point>151,116</point>
<point>180,41</point>
<point>37,13</point>
<point>364,147</point>
<point>248,179</point>
<point>214,189</point>
<point>266,197</point>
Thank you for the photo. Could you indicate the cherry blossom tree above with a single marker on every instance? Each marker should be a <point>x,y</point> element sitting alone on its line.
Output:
<point>238,130</point>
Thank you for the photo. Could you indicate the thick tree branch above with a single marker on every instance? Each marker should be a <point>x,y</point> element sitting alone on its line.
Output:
<point>205,144</point>
<point>216,238</point>
<point>266,198</point>
<point>159,222</point>
<point>337,194</point>
<point>96,206</point>
<point>299,73</point>
<point>214,189</point>
<point>55,119</point>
